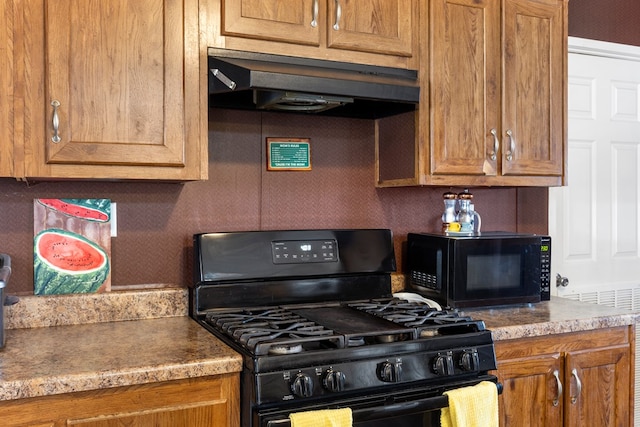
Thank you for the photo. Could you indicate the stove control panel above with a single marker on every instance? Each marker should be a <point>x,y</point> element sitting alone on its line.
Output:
<point>443,364</point>
<point>390,371</point>
<point>372,373</point>
<point>334,381</point>
<point>469,360</point>
<point>304,251</point>
<point>302,385</point>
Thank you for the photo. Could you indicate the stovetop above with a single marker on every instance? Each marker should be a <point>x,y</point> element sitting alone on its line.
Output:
<point>292,329</point>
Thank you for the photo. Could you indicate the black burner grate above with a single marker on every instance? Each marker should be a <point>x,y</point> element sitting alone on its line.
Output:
<point>273,330</point>
<point>427,320</point>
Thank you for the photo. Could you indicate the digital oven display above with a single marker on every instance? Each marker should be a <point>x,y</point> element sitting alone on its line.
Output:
<point>304,251</point>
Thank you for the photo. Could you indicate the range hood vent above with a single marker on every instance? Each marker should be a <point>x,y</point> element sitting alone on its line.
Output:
<point>247,80</point>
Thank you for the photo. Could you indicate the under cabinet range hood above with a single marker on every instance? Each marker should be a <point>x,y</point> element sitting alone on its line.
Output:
<point>248,80</point>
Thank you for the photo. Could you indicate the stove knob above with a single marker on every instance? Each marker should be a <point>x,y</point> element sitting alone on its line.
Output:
<point>334,380</point>
<point>469,360</point>
<point>443,364</point>
<point>302,385</point>
<point>390,372</point>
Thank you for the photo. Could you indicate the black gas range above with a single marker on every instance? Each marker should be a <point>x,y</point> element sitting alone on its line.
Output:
<point>312,313</point>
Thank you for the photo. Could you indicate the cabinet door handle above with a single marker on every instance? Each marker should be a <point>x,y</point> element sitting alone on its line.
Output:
<point>574,397</point>
<point>336,25</point>
<point>55,121</point>
<point>314,21</point>
<point>556,401</point>
<point>496,145</point>
<point>512,145</point>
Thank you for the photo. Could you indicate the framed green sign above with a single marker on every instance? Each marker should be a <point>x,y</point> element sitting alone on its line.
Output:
<point>288,154</point>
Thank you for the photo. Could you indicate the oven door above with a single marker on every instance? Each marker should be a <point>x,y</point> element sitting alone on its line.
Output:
<point>413,408</point>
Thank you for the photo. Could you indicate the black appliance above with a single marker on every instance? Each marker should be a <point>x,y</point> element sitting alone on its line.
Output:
<point>312,313</point>
<point>249,80</point>
<point>5,273</point>
<point>491,268</point>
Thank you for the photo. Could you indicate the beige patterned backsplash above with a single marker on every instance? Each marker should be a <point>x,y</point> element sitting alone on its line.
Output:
<point>74,309</point>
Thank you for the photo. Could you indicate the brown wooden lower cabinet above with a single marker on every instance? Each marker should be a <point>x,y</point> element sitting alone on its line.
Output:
<point>196,402</point>
<point>574,379</point>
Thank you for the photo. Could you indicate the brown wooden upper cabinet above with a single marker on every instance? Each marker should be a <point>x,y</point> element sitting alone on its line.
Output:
<point>7,88</point>
<point>493,102</point>
<point>114,90</point>
<point>365,31</point>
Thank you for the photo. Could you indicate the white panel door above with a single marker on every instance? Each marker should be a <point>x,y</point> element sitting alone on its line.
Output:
<point>595,220</point>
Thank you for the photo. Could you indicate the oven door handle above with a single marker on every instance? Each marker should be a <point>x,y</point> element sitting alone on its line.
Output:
<point>399,409</point>
<point>384,411</point>
<point>387,411</point>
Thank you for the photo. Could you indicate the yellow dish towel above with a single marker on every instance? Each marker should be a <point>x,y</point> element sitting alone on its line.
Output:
<point>322,418</point>
<point>475,406</point>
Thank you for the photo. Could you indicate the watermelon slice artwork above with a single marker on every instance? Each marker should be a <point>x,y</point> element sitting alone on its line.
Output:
<point>72,246</point>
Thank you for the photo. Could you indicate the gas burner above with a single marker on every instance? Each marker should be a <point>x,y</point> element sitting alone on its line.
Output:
<point>390,338</point>
<point>286,349</point>
<point>355,341</point>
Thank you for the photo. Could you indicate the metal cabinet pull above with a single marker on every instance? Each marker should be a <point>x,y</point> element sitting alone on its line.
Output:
<point>336,25</point>
<point>56,122</point>
<point>574,397</point>
<point>314,21</point>
<point>496,145</point>
<point>512,145</point>
<point>556,401</point>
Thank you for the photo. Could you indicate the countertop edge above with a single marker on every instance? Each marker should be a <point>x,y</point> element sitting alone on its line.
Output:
<point>43,386</point>
<point>562,327</point>
<point>557,316</point>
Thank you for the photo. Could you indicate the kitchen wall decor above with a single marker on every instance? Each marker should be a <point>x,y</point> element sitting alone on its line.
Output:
<point>72,246</point>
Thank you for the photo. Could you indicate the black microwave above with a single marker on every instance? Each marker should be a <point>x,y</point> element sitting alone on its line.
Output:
<point>492,268</point>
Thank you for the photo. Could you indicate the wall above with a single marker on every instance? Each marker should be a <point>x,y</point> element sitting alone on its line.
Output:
<point>156,221</point>
<point>611,20</point>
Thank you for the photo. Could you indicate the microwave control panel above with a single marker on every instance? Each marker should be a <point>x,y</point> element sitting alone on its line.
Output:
<point>545,268</point>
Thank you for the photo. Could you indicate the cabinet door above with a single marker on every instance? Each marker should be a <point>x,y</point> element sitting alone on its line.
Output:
<point>465,86</point>
<point>379,26</point>
<point>115,70</point>
<point>196,402</point>
<point>532,394</point>
<point>534,87</point>
<point>598,387</point>
<point>294,21</point>
<point>6,88</point>
<point>213,413</point>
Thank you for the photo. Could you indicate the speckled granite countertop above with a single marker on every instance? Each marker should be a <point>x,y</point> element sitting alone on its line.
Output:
<point>560,315</point>
<point>74,343</point>
<point>128,338</point>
